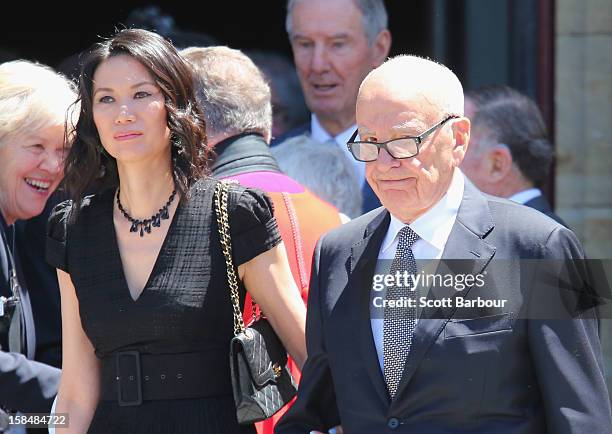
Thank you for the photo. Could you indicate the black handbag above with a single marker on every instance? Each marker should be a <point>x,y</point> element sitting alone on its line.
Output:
<point>261,381</point>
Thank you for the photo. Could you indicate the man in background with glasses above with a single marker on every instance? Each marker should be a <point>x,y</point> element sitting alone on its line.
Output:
<point>529,363</point>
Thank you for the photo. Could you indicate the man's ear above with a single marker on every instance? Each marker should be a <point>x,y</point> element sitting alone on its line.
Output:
<point>461,138</point>
<point>380,48</point>
<point>500,162</point>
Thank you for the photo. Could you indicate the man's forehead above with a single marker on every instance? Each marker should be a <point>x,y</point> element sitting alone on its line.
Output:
<point>399,99</point>
<point>331,32</point>
<point>410,121</point>
<point>402,97</point>
<point>392,120</point>
<point>326,16</point>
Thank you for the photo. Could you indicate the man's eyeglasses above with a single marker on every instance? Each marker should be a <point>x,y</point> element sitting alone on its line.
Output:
<point>402,147</point>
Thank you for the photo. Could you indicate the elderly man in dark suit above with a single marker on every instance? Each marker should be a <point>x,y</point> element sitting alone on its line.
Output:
<point>510,154</point>
<point>530,363</point>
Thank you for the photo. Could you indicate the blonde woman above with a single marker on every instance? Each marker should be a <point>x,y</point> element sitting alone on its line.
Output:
<point>33,105</point>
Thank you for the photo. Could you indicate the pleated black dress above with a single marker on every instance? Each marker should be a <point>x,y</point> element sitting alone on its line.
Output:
<point>184,308</point>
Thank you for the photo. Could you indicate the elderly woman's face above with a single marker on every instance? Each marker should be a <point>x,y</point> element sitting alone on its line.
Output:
<point>31,167</point>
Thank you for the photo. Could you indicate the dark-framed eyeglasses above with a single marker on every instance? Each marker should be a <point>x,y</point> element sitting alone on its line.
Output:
<point>402,147</point>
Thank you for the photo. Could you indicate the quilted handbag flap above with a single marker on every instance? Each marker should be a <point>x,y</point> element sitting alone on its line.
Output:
<point>262,350</point>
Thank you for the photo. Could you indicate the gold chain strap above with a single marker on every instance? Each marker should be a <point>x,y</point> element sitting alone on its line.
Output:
<point>221,193</point>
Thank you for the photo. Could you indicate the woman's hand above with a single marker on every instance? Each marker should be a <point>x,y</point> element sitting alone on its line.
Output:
<point>268,279</point>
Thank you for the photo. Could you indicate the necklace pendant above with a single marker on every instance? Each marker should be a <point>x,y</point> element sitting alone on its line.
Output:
<point>145,226</point>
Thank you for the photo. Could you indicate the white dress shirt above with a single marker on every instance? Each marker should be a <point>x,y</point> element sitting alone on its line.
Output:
<point>318,133</point>
<point>525,196</point>
<point>433,229</point>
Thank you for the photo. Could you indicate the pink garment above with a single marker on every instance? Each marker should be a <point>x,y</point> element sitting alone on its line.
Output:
<point>269,181</point>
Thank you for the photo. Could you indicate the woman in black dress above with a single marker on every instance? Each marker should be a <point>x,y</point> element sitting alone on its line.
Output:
<point>146,311</point>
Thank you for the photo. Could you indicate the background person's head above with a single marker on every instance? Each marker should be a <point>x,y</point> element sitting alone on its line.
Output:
<point>34,103</point>
<point>509,149</point>
<point>335,44</point>
<point>135,82</point>
<point>324,170</point>
<point>232,91</point>
<point>407,96</point>
<point>152,18</point>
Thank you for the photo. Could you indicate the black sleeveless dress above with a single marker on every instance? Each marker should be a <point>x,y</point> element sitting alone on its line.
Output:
<point>184,308</point>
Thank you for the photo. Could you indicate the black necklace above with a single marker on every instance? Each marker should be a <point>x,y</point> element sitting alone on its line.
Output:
<point>145,225</point>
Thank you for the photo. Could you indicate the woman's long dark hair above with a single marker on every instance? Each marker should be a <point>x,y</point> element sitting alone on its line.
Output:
<point>88,167</point>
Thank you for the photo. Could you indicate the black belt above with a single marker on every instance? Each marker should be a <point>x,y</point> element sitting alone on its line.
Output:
<point>130,377</point>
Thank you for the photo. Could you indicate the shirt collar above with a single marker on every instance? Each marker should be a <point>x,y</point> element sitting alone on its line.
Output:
<point>435,225</point>
<point>318,133</point>
<point>525,196</point>
<point>243,153</point>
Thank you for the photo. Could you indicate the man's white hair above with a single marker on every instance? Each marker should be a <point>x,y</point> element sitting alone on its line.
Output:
<point>413,75</point>
<point>232,91</point>
<point>322,169</point>
<point>373,17</point>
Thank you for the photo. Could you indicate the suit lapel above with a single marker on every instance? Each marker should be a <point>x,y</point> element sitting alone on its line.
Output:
<point>26,309</point>
<point>364,255</point>
<point>466,243</point>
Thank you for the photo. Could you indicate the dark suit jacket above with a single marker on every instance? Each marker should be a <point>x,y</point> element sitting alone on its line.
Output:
<point>541,204</point>
<point>478,371</point>
<point>41,282</point>
<point>25,385</point>
<point>369,199</point>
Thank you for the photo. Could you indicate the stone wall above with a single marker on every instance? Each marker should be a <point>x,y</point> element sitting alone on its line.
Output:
<point>583,124</point>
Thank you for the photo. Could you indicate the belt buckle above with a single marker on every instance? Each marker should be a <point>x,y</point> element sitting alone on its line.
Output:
<point>122,377</point>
